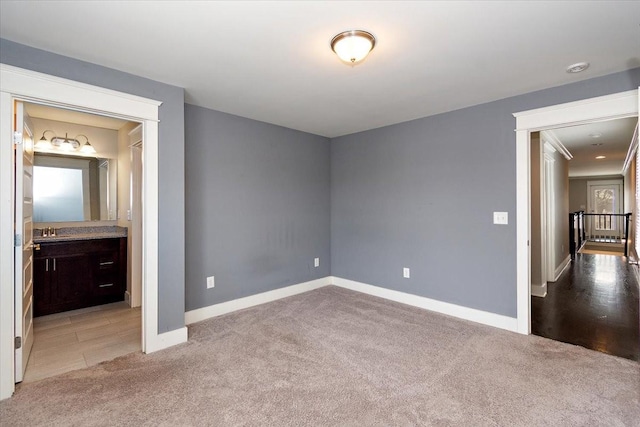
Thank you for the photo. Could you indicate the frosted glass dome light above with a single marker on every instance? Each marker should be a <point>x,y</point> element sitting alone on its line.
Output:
<point>353,46</point>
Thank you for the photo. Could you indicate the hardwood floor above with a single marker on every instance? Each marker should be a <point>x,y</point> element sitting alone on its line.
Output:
<point>77,339</point>
<point>594,304</point>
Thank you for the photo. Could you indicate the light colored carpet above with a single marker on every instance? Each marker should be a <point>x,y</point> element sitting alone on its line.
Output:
<point>336,357</point>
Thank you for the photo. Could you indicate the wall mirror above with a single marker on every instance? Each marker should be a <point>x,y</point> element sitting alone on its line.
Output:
<point>69,188</point>
<point>75,180</point>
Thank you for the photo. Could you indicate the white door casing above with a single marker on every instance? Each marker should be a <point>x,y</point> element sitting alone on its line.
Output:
<point>20,84</point>
<point>23,273</point>
<point>135,207</point>
<point>549,213</point>
<point>619,105</point>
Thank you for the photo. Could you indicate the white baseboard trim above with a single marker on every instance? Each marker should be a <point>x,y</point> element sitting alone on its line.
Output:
<point>539,290</point>
<point>127,298</point>
<point>472,314</point>
<point>208,312</point>
<point>166,340</point>
<point>561,268</point>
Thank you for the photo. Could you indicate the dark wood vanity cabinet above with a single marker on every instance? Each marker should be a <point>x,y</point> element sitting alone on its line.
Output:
<point>76,274</point>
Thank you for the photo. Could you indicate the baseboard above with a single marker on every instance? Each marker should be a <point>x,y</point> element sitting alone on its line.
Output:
<point>539,290</point>
<point>208,312</point>
<point>466,313</point>
<point>166,340</point>
<point>127,298</point>
<point>561,268</point>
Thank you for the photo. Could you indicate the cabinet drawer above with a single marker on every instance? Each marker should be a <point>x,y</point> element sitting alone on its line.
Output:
<point>106,284</point>
<point>106,262</point>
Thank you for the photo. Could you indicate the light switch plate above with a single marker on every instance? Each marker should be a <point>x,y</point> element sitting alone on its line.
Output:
<point>501,218</point>
<point>316,262</point>
<point>406,273</point>
<point>211,282</point>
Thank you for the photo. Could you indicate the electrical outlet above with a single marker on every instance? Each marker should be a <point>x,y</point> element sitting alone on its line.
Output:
<point>211,282</point>
<point>406,273</point>
<point>316,262</point>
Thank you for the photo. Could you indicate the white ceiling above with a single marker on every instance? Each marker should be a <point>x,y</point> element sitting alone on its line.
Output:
<point>613,143</point>
<point>68,116</point>
<point>271,61</point>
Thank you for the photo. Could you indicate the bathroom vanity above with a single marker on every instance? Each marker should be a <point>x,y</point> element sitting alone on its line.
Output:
<point>79,267</point>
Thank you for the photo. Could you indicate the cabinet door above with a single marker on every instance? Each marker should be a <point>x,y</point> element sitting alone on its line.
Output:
<point>41,286</point>
<point>72,275</point>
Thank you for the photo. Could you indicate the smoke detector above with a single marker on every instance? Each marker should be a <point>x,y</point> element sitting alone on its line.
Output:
<point>577,67</point>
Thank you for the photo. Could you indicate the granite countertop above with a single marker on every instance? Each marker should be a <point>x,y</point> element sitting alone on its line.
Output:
<point>66,234</point>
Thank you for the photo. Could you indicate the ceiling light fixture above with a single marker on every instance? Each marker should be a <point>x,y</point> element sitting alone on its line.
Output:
<point>64,144</point>
<point>595,135</point>
<point>600,157</point>
<point>353,46</point>
<point>577,67</point>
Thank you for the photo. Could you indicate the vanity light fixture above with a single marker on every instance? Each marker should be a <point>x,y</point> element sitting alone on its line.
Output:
<point>44,143</point>
<point>64,144</point>
<point>353,46</point>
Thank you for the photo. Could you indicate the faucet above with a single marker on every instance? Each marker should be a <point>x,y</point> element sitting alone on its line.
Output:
<point>48,231</point>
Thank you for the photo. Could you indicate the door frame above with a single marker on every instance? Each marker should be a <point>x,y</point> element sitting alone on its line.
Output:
<point>31,86</point>
<point>609,107</point>
<point>619,201</point>
<point>549,215</point>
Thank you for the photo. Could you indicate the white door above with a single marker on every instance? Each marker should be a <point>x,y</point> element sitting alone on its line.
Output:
<point>24,241</point>
<point>604,198</point>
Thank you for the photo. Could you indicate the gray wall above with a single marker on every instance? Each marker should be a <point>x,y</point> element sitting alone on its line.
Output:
<point>421,194</point>
<point>418,194</point>
<point>258,206</point>
<point>171,160</point>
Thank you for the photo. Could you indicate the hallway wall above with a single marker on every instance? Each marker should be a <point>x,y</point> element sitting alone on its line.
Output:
<point>578,191</point>
<point>538,276</point>
<point>630,203</point>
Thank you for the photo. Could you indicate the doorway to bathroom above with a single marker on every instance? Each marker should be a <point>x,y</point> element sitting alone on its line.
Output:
<point>25,85</point>
<point>86,282</point>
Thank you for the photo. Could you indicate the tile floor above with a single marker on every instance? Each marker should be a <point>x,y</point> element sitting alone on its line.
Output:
<point>81,338</point>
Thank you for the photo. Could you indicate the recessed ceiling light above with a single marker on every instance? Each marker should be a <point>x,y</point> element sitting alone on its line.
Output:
<point>595,135</point>
<point>597,144</point>
<point>577,67</point>
<point>600,157</point>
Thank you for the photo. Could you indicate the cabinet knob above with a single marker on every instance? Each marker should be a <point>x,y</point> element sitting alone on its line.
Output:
<point>35,246</point>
